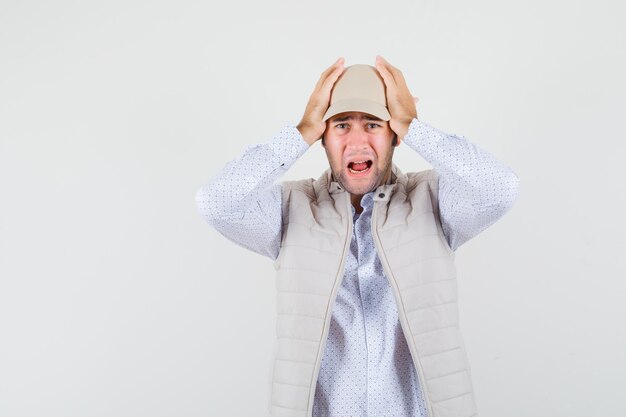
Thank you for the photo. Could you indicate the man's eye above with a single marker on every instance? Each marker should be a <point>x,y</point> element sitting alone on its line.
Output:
<point>341,124</point>
<point>373,125</point>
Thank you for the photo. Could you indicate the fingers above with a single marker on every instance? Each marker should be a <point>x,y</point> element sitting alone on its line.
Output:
<point>330,69</point>
<point>390,82</point>
<point>400,102</point>
<point>394,72</point>
<point>320,98</point>
<point>328,72</point>
<point>327,85</point>
<point>311,126</point>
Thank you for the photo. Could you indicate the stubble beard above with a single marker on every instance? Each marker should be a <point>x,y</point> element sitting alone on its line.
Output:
<point>378,177</point>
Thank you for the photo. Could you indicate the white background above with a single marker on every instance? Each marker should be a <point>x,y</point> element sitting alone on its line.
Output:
<point>116,299</point>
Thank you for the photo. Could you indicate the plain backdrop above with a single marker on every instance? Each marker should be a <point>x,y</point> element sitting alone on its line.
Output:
<point>117,300</point>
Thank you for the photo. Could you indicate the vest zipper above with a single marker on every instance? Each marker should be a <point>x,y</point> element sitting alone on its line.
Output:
<point>329,309</point>
<point>403,320</point>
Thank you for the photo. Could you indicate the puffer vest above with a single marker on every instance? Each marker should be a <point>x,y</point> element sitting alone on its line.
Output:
<point>418,262</point>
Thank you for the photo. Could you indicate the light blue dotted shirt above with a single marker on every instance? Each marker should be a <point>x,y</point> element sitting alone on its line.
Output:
<point>366,369</point>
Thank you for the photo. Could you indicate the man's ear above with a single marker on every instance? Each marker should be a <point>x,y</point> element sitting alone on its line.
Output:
<point>325,130</point>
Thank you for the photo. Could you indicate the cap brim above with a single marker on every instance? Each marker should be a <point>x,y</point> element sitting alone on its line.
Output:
<point>365,106</point>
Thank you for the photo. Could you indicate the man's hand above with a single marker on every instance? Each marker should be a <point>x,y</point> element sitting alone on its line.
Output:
<point>400,102</point>
<point>311,126</point>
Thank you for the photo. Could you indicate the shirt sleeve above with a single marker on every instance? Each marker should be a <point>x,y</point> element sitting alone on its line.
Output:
<point>475,189</point>
<point>242,202</point>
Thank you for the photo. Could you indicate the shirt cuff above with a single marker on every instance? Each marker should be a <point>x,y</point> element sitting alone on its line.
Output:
<point>288,145</point>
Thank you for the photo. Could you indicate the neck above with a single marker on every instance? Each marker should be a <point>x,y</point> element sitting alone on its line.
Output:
<point>356,198</point>
<point>356,202</point>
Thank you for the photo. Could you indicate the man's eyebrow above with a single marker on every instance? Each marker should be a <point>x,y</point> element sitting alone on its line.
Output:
<point>366,117</point>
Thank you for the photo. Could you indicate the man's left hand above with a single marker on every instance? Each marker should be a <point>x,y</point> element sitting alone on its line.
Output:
<point>400,102</point>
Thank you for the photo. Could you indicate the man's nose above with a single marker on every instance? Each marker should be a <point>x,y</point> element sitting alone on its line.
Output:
<point>357,138</point>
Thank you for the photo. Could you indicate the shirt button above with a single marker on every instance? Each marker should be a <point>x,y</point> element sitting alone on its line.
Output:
<point>381,195</point>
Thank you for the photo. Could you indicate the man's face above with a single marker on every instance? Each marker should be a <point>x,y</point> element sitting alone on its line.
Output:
<point>359,150</point>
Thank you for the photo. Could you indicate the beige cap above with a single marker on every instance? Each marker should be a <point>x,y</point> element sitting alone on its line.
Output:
<point>359,88</point>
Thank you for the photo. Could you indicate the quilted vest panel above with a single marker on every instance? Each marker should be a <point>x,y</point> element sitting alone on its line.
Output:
<point>317,226</point>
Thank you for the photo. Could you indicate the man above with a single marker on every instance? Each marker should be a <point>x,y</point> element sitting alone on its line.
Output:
<point>367,307</point>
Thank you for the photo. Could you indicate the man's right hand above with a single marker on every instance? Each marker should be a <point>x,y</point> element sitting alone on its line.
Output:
<point>311,126</point>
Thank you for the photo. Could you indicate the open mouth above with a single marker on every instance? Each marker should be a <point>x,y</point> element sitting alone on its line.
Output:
<point>359,167</point>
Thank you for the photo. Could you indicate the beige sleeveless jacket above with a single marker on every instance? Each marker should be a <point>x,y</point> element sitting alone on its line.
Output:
<point>419,264</point>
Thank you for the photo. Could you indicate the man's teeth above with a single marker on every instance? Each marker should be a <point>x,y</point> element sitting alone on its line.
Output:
<point>354,171</point>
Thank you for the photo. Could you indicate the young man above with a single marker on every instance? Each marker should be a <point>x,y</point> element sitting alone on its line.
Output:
<point>367,306</point>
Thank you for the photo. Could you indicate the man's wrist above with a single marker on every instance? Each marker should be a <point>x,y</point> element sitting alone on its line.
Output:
<point>308,134</point>
<point>403,128</point>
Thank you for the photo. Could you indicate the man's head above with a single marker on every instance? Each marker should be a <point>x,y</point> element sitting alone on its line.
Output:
<point>359,147</point>
<point>358,140</point>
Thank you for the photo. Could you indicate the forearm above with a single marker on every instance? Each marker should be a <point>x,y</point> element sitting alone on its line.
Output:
<point>231,192</point>
<point>475,188</point>
<point>242,202</point>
